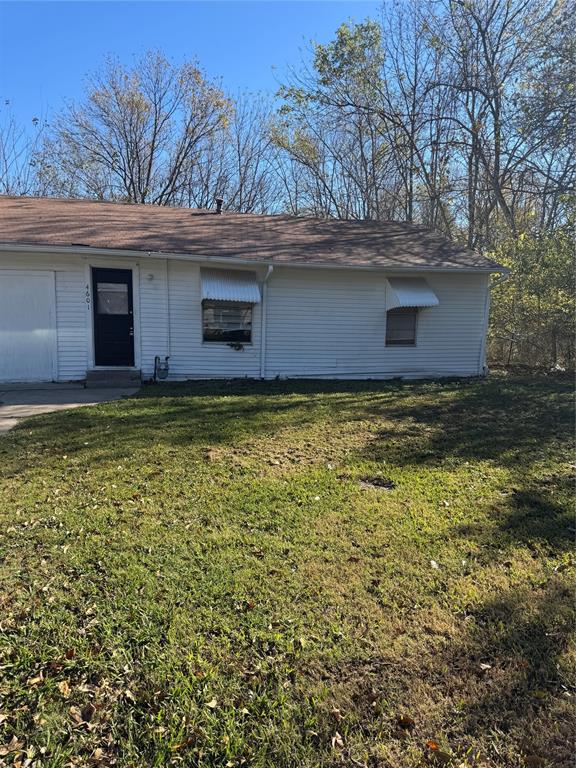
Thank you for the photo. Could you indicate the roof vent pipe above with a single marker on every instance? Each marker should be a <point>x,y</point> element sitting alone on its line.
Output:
<point>219,202</point>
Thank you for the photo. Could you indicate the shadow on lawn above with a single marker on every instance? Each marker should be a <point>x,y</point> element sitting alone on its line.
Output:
<point>495,690</point>
<point>523,636</point>
<point>527,517</point>
<point>514,422</point>
<point>423,422</point>
<point>507,421</point>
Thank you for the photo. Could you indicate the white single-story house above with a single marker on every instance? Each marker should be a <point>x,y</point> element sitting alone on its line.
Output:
<point>92,288</point>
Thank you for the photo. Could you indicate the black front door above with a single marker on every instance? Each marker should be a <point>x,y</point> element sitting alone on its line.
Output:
<point>113,317</point>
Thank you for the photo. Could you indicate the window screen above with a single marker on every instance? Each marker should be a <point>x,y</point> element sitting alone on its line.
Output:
<point>227,321</point>
<point>401,326</point>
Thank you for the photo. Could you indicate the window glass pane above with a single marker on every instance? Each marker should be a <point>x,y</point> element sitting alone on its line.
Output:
<point>112,298</point>
<point>401,326</point>
<point>227,321</point>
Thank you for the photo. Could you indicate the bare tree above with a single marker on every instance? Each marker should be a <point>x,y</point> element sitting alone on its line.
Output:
<point>238,163</point>
<point>18,154</point>
<point>136,132</point>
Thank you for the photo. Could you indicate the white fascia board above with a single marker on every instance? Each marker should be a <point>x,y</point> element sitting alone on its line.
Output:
<point>89,251</point>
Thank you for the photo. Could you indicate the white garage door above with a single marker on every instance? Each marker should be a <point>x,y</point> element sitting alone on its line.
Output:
<point>27,326</point>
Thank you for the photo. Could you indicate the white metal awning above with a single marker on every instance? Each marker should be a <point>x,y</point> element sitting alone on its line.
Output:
<point>410,292</point>
<point>230,285</point>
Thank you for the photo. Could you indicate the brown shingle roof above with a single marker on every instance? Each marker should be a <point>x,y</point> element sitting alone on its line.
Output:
<point>277,239</point>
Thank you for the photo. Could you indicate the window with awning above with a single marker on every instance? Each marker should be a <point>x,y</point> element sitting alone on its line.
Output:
<point>230,285</point>
<point>406,295</point>
<point>410,292</point>
<point>228,297</point>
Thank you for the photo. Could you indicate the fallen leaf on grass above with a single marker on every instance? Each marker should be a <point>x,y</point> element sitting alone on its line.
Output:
<point>337,741</point>
<point>76,715</point>
<point>33,681</point>
<point>87,712</point>
<point>406,722</point>
<point>213,703</point>
<point>485,667</point>
<point>14,745</point>
<point>64,688</point>
<point>98,756</point>
<point>435,755</point>
<point>82,716</point>
<point>129,695</point>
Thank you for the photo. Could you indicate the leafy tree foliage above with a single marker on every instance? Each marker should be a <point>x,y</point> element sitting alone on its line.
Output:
<point>534,313</point>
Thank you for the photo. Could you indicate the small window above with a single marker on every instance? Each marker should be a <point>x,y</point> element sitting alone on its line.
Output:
<point>112,298</point>
<point>227,321</point>
<point>401,327</point>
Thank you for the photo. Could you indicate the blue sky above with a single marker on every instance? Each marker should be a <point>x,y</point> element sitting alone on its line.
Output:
<point>47,48</point>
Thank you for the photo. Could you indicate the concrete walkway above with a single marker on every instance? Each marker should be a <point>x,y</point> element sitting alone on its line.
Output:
<point>20,401</point>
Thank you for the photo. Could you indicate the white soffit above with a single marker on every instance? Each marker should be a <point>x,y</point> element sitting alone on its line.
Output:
<point>230,285</point>
<point>410,292</point>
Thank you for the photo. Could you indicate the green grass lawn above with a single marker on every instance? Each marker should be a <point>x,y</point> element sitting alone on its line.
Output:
<point>205,575</point>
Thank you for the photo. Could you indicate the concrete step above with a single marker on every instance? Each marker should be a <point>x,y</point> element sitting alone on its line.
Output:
<point>113,378</point>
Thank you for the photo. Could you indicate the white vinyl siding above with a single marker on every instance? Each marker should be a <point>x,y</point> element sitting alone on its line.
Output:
<point>190,356</point>
<point>333,323</point>
<point>71,310</point>
<point>448,337</point>
<point>153,313</point>
<point>324,322</point>
<point>319,322</point>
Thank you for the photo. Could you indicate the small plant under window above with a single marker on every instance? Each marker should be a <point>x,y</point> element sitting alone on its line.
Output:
<point>228,322</point>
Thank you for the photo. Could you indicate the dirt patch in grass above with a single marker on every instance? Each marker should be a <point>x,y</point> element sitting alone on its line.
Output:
<point>374,481</point>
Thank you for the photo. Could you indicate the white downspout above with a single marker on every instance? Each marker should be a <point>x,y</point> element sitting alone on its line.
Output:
<point>482,364</point>
<point>168,312</point>
<point>263,311</point>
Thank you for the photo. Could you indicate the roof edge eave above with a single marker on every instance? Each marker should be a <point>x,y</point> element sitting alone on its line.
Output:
<point>89,250</point>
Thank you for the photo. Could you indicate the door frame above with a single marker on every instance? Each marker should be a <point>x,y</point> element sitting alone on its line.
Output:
<point>89,298</point>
